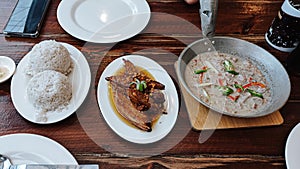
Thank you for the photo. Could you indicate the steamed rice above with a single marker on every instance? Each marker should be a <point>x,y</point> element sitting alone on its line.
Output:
<point>49,91</point>
<point>49,55</point>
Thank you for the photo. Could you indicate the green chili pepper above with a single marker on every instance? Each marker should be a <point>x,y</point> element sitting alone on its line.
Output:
<point>140,85</point>
<point>229,67</point>
<point>238,86</point>
<point>233,72</point>
<point>254,93</point>
<point>225,90</point>
<point>144,84</point>
<point>200,71</point>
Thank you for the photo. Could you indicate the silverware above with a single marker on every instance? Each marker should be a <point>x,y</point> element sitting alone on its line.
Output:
<point>208,15</point>
<point>6,164</point>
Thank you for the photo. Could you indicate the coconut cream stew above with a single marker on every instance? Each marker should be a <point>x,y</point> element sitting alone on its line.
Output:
<point>228,83</point>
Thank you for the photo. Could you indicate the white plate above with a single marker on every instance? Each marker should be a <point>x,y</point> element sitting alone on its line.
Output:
<point>9,65</point>
<point>132,134</point>
<point>34,149</point>
<point>292,148</point>
<point>80,78</point>
<point>103,21</point>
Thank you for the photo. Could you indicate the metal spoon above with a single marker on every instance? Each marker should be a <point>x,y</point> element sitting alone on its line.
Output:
<point>4,162</point>
<point>208,14</point>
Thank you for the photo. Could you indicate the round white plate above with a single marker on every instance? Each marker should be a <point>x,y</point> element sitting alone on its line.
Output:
<point>9,64</point>
<point>292,148</point>
<point>34,149</point>
<point>165,123</point>
<point>80,79</point>
<point>103,21</point>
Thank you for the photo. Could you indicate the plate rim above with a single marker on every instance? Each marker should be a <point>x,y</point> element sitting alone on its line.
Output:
<point>81,67</point>
<point>110,123</point>
<point>64,21</point>
<point>288,142</point>
<point>12,67</point>
<point>29,137</point>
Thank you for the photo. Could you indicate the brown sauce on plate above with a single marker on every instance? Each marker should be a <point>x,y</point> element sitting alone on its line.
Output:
<point>110,94</point>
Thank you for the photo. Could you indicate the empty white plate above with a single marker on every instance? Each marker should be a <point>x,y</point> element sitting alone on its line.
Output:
<point>25,148</point>
<point>292,148</point>
<point>103,21</point>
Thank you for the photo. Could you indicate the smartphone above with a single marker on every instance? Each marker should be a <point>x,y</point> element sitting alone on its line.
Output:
<point>26,18</point>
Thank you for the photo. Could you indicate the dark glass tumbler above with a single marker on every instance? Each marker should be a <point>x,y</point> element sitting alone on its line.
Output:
<point>284,32</point>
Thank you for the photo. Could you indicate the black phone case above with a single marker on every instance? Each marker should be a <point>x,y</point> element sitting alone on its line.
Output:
<point>26,21</point>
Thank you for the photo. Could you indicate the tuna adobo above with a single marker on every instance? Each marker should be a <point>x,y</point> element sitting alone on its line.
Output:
<point>137,97</point>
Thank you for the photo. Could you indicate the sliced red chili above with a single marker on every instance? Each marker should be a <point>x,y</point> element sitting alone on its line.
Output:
<point>233,98</point>
<point>254,84</point>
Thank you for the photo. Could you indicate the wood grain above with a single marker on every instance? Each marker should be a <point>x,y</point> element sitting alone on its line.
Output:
<point>193,162</point>
<point>88,137</point>
<point>202,118</point>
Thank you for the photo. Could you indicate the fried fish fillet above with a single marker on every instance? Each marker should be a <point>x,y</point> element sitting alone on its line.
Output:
<point>139,108</point>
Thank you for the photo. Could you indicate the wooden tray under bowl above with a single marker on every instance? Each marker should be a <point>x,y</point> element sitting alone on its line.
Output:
<point>202,118</point>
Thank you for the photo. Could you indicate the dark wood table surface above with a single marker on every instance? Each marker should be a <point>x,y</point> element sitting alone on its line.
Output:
<point>87,136</point>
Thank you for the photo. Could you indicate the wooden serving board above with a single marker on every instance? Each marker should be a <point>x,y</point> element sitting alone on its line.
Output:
<point>202,118</point>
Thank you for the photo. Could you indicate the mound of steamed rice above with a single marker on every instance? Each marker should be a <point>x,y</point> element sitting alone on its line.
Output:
<point>49,55</point>
<point>49,90</point>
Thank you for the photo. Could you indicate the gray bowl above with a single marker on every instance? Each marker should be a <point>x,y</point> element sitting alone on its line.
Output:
<point>272,69</point>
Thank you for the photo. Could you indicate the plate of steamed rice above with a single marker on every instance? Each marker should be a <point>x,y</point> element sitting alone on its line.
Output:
<point>51,82</point>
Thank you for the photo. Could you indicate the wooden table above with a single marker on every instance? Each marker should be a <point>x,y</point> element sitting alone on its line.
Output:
<point>163,40</point>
